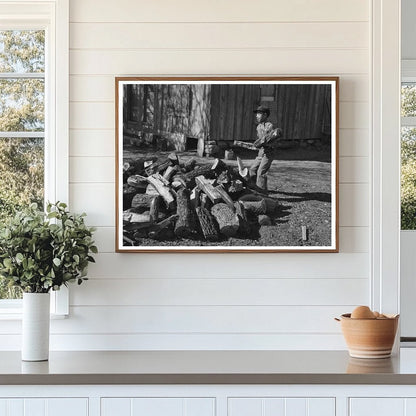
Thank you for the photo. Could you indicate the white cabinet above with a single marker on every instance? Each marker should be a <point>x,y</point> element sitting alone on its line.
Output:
<point>44,407</point>
<point>281,406</point>
<point>380,406</point>
<point>159,406</point>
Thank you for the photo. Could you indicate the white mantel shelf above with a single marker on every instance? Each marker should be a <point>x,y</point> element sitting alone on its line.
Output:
<point>207,367</point>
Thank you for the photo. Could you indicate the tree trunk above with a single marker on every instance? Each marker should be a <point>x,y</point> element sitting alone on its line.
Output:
<point>186,224</point>
<point>244,145</point>
<point>207,187</point>
<point>207,224</point>
<point>227,220</point>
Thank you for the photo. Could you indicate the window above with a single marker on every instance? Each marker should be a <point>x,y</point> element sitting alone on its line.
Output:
<point>408,151</point>
<point>33,112</point>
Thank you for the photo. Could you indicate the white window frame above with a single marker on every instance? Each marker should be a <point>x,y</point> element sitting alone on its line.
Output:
<point>53,17</point>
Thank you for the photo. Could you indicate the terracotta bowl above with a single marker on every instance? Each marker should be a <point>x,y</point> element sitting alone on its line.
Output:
<point>369,338</point>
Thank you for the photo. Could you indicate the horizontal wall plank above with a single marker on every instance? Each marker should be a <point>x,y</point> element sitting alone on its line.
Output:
<point>218,11</point>
<point>148,342</point>
<point>255,265</point>
<point>220,292</point>
<point>354,239</point>
<point>92,115</point>
<point>89,115</point>
<point>354,170</point>
<point>99,88</point>
<point>218,35</point>
<point>228,61</point>
<point>354,205</point>
<point>200,319</point>
<point>96,199</point>
<point>353,115</point>
<point>92,143</point>
<point>354,142</point>
<point>91,169</point>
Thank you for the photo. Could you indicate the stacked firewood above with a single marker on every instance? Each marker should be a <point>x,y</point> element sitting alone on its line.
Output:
<point>166,198</point>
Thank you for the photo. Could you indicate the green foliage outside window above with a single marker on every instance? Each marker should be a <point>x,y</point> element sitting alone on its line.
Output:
<point>408,160</point>
<point>21,110</point>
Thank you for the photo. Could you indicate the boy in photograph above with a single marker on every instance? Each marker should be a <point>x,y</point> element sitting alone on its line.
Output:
<point>267,138</point>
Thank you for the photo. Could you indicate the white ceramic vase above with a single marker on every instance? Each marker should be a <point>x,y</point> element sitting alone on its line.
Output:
<point>35,326</point>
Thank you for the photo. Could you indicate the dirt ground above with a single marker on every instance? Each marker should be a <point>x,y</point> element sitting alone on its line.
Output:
<point>300,181</point>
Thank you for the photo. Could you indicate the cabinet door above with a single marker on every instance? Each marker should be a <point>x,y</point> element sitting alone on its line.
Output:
<point>281,406</point>
<point>381,406</point>
<point>160,406</point>
<point>44,407</point>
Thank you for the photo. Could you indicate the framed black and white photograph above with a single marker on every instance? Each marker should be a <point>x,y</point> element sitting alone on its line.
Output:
<point>214,164</point>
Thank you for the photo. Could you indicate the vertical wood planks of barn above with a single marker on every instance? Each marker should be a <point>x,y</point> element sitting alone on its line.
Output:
<point>302,110</point>
<point>232,112</point>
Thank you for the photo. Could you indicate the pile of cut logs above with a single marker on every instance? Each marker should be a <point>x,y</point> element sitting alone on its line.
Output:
<point>166,198</point>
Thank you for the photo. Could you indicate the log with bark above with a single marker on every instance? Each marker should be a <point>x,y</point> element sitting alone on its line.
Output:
<point>186,223</point>
<point>218,166</point>
<point>205,202</point>
<point>189,165</point>
<point>225,197</point>
<point>142,201</point>
<point>154,209</point>
<point>244,145</point>
<point>227,220</point>
<point>170,172</point>
<point>205,185</point>
<point>158,166</point>
<point>203,170</point>
<point>156,230</point>
<point>137,182</point>
<point>240,211</point>
<point>128,194</point>
<point>207,224</point>
<point>173,157</point>
<point>264,220</point>
<point>254,204</point>
<point>164,191</point>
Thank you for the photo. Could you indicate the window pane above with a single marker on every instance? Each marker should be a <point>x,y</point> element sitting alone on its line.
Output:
<point>408,178</point>
<point>22,105</point>
<point>21,182</point>
<point>22,51</point>
<point>408,99</point>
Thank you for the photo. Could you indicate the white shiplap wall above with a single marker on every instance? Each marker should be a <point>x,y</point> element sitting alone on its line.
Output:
<point>214,301</point>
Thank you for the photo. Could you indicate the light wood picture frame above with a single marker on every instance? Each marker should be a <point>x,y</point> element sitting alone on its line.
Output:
<point>227,164</point>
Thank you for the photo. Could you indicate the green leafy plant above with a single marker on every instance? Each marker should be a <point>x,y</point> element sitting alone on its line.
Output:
<point>43,251</point>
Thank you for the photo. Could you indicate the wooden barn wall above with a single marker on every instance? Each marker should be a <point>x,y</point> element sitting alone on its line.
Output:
<point>232,112</point>
<point>196,301</point>
<point>302,111</point>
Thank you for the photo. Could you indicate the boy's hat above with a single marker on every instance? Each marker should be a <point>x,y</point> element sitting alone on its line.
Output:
<point>262,109</point>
